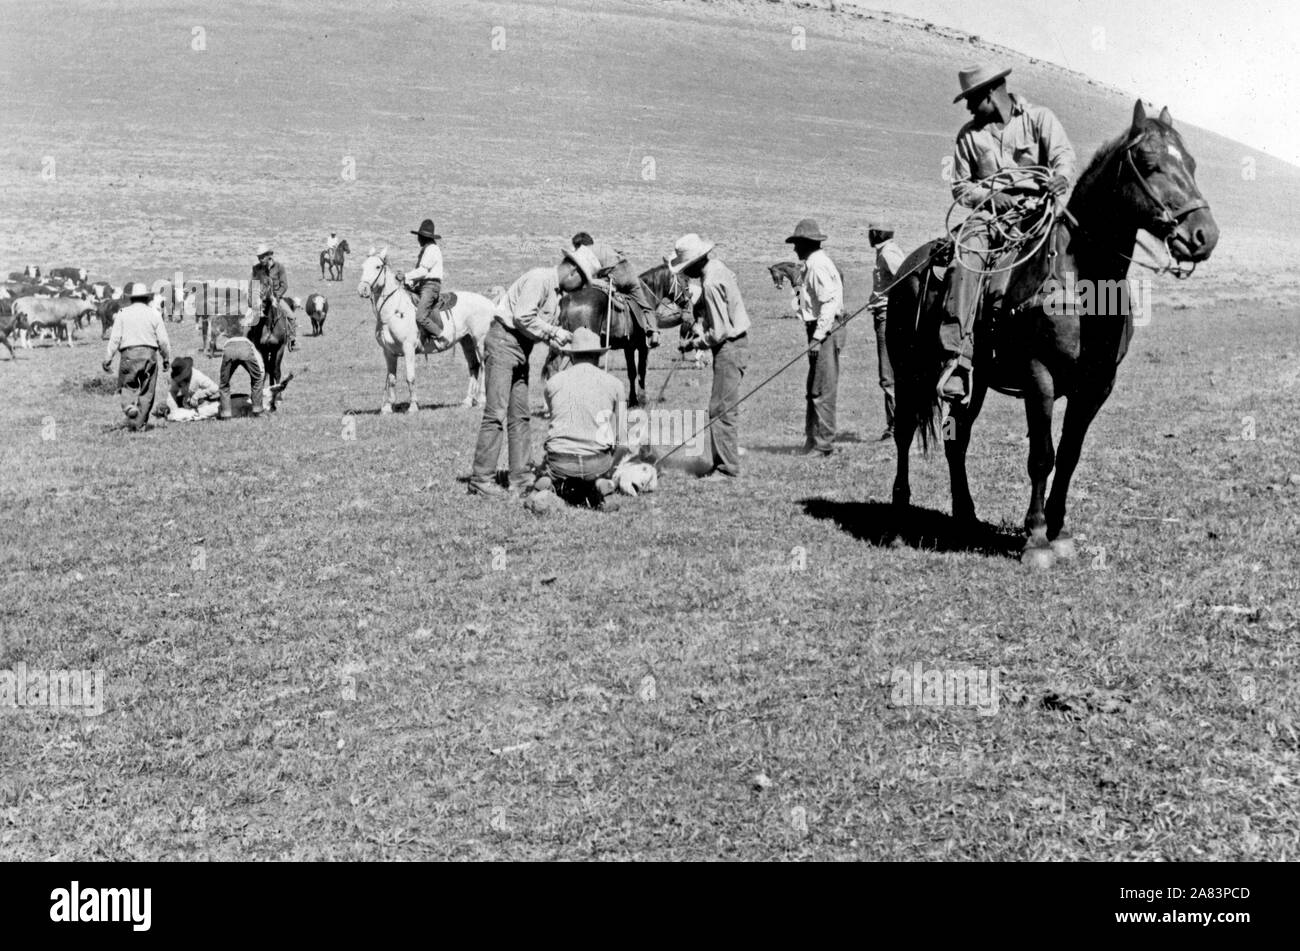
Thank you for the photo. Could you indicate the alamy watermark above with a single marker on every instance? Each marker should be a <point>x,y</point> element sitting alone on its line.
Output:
<point>62,691</point>
<point>639,427</point>
<point>975,687</point>
<point>1091,298</point>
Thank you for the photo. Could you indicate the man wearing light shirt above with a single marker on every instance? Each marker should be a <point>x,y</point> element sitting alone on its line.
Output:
<point>426,280</point>
<point>525,314</point>
<point>821,304</point>
<point>138,338</point>
<point>1005,132</point>
<point>724,328</point>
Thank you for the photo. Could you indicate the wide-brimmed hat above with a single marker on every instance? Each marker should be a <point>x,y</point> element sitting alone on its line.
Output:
<point>136,289</point>
<point>688,249</point>
<point>263,250</point>
<point>584,260</point>
<point>182,369</point>
<point>584,341</point>
<point>426,230</point>
<point>885,228</point>
<point>806,230</point>
<point>974,79</point>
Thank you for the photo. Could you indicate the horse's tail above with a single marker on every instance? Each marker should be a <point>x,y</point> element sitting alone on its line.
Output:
<point>909,326</point>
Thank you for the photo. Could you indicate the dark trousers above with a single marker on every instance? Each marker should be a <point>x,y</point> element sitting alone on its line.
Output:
<point>427,317</point>
<point>237,354</point>
<point>729,361</point>
<point>822,388</point>
<point>575,476</point>
<point>886,368</point>
<point>505,407</point>
<point>137,382</point>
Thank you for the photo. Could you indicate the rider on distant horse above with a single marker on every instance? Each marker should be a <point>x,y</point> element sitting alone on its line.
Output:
<point>425,280</point>
<point>1006,132</point>
<point>617,275</point>
<point>332,242</point>
<point>275,287</point>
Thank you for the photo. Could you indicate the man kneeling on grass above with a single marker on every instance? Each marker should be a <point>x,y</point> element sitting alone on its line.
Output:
<point>584,402</point>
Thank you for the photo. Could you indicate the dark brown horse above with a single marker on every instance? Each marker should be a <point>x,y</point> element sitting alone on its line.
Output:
<point>333,261</point>
<point>270,335</point>
<point>590,308</point>
<point>1042,343</point>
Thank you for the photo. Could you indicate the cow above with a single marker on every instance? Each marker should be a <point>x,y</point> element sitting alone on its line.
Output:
<point>107,310</point>
<point>317,308</point>
<point>60,314</point>
<point>77,274</point>
<point>102,290</point>
<point>30,273</point>
<point>8,321</point>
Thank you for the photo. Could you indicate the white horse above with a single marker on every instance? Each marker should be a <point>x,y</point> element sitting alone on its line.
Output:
<point>399,337</point>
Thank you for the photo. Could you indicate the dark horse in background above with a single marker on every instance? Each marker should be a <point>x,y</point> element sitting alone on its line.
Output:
<point>1040,348</point>
<point>270,335</point>
<point>333,261</point>
<point>590,308</point>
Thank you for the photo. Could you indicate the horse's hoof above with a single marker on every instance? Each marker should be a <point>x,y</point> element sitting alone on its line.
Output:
<point>1063,547</point>
<point>413,408</point>
<point>386,409</point>
<point>1038,557</point>
<point>467,402</point>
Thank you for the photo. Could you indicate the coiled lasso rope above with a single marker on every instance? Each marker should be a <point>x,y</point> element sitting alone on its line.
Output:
<point>1029,225</point>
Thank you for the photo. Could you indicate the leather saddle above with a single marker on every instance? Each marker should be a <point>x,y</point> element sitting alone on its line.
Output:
<point>446,300</point>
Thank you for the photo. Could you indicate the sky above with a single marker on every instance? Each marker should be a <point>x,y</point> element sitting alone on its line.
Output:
<point>1231,66</point>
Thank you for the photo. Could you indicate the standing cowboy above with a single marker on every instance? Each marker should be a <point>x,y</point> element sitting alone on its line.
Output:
<point>889,258</point>
<point>821,302</point>
<point>1005,132</point>
<point>621,277</point>
<point>724,330</point>
<point>525,314</point>
<point>139,338</point>
<point>425,279</point>
<point>584,402</point>
<point>270,273</point>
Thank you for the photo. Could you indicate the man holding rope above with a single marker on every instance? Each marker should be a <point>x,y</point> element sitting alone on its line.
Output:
<point>1005,132</point>
<point>821,304</point>
<point>724,330</point>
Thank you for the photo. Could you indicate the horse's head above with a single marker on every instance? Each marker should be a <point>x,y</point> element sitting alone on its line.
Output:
<point>776,273</point>
<point>1159,177</point>
<point>374,274</point>
<point>343,246</point>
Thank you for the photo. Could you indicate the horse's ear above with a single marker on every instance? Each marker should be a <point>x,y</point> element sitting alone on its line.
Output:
<point>383,255</point>
<point>1166,117</point>
<point>373,252</point>
<point>1139,115</point>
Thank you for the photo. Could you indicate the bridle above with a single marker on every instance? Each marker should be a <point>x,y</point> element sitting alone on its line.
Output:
<point>378,302</point>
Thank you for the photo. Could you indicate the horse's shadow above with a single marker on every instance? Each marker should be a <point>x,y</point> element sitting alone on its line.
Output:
<point>400,408</point>
<point>923,529</point>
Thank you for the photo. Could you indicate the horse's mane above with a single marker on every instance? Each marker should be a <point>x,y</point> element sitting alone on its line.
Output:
<point>1099,160</point>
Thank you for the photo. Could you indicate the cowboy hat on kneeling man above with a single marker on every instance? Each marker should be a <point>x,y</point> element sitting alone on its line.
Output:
<point>584,402</point>
<point>193,395</point>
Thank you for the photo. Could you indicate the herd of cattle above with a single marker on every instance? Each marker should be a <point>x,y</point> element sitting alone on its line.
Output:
<point>54,304</point>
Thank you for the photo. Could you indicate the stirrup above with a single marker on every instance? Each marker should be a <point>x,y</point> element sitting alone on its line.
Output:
<point>952,367</point>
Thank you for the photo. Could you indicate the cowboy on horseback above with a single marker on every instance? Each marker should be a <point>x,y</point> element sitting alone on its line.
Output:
<point>617,277</point>
<point>1005,132</point>
<point>425,281</point>
<point>269,273</point>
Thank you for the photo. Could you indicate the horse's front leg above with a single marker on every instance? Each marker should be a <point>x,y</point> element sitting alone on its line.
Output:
<point>408,352</point>
<point>1080,411</point>
<point>390,382</point>
<point>956,440</point>
<point>474,362</point>
<point>629,358</point>
<point>1040,397</point>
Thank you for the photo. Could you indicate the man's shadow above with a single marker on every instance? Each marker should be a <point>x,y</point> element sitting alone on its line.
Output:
<point>400,408</point>
<point>924,529</point>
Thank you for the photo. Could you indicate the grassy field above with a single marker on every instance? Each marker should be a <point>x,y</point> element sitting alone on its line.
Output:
<point>316,645</point>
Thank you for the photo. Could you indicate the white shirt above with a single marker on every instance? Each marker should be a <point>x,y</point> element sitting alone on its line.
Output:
<point>138,325</point>
<point>428,264</point>
<point>332,242</point>
<point>821,298</point>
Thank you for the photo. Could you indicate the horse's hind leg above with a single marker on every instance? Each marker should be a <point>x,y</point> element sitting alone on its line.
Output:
<point>956,440</point>
<point>1080,411</point>
<point>1039,400</point>
<point>629,357</point>
<point>474,362</point>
